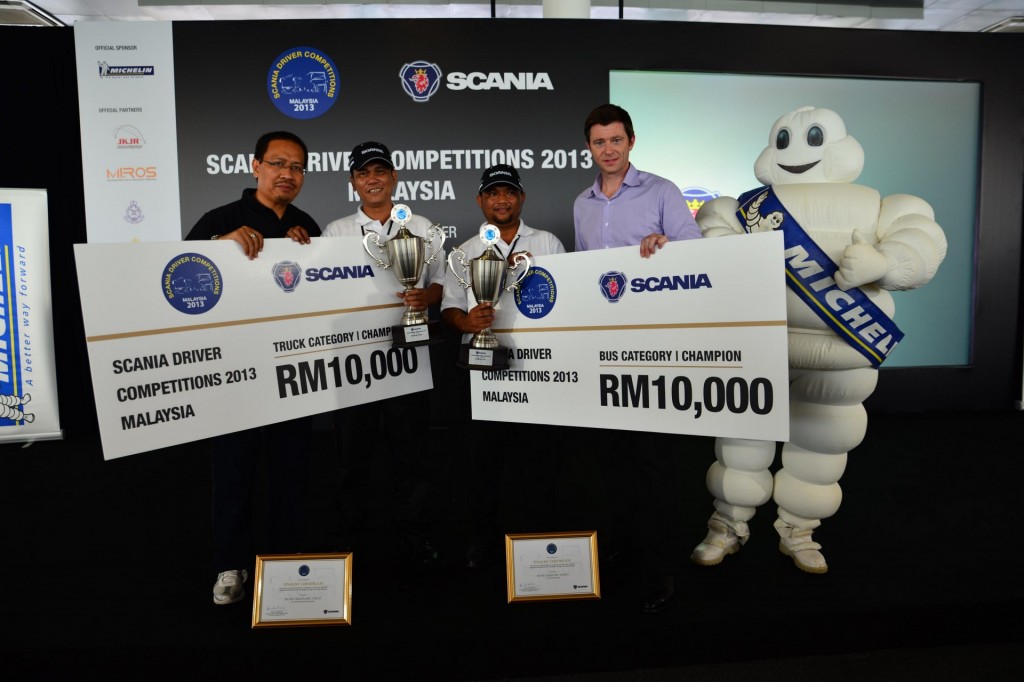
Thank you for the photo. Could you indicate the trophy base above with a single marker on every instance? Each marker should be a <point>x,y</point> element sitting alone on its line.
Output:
<point>482,358</point>
<point>410,336</point>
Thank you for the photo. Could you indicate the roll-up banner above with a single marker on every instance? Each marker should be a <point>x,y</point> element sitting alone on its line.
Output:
<point>28,378</point>
<point>129,151</point>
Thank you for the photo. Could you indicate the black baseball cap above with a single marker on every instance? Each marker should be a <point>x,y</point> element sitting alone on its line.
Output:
<point>500,174</point>
<point>370,151</point>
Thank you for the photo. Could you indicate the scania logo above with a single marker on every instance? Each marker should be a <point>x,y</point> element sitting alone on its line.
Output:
<point>338,272</point>
<point>671,282</point>
<point>286,274</point>
<point>613,285</point>
<point>499,81</point>
<point>420,80</point>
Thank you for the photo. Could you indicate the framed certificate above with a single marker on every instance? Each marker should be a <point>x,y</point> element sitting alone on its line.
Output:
<point>302,589</point>
<point>552,566</point>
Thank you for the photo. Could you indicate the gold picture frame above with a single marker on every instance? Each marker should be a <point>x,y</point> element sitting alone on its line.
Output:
<point>552,566</point>
<point>301,590</point>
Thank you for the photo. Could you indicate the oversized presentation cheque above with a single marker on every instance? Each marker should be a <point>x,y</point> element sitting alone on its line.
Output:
<point>689,341</point>
<point>189,340</point>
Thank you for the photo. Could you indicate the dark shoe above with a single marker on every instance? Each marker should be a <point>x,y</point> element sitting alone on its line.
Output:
<point>658,593</point>
<point>481,556</point>
<point>421,551</point>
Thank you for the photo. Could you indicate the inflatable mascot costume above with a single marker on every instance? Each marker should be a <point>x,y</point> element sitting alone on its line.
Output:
<point>846,248</point>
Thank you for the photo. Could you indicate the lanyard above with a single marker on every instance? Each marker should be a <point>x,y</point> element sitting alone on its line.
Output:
<point>511,248</point>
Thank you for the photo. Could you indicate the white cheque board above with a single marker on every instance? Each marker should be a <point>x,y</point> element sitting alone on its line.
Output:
<point>191,339</point>
<point>689,341</point>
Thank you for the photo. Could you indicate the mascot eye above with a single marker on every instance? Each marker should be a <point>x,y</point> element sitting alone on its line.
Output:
<point>815,136</point>
<point>782,140</point>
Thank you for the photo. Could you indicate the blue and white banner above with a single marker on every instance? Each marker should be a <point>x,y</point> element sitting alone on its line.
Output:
<point>690,341</point>
<point>28,378</point>
<point>189,340</point>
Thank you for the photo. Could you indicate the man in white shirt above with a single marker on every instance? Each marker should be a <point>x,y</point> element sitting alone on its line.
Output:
<point>501,197</point>
<point>358,428</point>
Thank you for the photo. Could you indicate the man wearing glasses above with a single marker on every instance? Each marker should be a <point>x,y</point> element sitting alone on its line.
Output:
<point>625,207</point>
<point>263,212</point>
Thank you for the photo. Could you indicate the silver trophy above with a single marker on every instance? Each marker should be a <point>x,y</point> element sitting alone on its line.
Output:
<point>487,275</point>
<point>406,255</point>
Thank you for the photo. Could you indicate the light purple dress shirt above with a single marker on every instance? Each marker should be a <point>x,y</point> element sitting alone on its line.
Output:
<point>643,205</point>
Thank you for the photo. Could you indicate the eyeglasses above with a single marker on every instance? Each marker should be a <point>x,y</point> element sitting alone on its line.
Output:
<point>281,165</point>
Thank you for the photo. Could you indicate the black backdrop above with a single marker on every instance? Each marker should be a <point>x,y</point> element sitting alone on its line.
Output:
<point>43,141</point>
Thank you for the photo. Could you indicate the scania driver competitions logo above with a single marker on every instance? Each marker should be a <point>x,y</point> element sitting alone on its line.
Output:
<point>192,283</point>
<point>535,296</point>
<point>287,274</point>
<point>303,83</point>
<point>304,570</point>
<point>420,80</point>
<point>696,196</point>
<point>613,286</point>
<point>551,548</point>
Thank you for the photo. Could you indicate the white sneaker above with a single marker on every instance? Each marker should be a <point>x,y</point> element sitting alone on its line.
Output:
<point>797,544</point>
<point>724,537</point>
<point>229,587</point>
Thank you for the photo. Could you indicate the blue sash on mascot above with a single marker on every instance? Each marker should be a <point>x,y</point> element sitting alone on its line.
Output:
<point>810,273</point>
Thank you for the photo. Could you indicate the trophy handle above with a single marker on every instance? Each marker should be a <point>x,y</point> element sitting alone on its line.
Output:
<point>375,238</point>
<point>465,266</point>
<point>434,232</point>
<point>518,259</point>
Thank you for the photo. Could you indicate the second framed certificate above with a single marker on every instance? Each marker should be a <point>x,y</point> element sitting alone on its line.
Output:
<point>302,589</point>
<point>552,566</point>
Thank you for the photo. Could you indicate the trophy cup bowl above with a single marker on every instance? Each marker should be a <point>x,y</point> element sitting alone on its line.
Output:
<point>486,276</point>
<point>406,255</point>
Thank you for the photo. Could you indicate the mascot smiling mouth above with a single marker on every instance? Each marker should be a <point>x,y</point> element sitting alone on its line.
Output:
<point>799,169</point>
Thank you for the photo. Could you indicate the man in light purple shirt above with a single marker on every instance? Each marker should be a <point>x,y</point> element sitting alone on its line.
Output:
<point>626,206</point>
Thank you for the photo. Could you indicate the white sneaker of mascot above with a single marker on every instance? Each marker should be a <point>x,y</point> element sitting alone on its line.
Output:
<point>880,245</point>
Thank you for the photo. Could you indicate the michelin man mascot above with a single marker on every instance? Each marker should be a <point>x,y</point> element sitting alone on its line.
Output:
<point>846,248</point>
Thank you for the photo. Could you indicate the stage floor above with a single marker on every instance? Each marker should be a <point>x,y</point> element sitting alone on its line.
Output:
<point>107,571</point>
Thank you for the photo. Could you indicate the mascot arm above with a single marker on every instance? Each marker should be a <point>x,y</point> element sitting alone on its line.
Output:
<point>910,246</point>
<point>911,240</point>
<point>717,218</point>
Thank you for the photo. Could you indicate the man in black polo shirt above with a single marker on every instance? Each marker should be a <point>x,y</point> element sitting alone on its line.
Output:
<point>265,212</point>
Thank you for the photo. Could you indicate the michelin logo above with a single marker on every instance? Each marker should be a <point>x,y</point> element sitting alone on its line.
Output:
<point>108,71</point>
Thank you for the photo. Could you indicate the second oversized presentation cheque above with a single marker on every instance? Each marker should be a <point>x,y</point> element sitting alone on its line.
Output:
<point>689,341</point>
<point>190,340</point>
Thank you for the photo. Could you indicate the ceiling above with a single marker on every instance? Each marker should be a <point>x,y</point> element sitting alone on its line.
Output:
<point>909,15</point>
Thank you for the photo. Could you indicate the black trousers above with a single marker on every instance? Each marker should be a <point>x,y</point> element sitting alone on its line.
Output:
<point>633,494</point>
<point>512,474</point>
<point>284,449</point>
<point>398,429</point>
